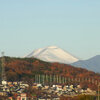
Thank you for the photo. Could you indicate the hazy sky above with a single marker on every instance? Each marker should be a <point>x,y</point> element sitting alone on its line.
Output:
<point>73,25</point>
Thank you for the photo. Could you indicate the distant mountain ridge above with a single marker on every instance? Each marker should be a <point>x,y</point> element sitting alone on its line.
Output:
<point>92,64</point>
<point>53,54</point>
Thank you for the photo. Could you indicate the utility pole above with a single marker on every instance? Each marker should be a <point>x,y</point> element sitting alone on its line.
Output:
<point>3,69</point>
<point>98,91</point>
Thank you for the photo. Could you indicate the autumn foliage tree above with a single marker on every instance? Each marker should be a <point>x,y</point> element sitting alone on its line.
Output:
<point>25,68</point>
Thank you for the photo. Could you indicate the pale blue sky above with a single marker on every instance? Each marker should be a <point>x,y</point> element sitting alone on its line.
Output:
<point>73,25</point>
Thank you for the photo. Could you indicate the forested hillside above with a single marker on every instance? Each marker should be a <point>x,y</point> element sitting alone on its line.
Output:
<point>21,68</point>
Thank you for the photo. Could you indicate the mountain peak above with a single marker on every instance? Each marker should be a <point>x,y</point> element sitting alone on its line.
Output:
<point>52,47</point>
<point>53,54</point>
<point>90,64</point>
<point>97,56</point>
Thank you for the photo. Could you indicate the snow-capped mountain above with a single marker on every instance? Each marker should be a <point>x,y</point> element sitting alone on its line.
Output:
<point>92,64</point>
<point>53,54</point>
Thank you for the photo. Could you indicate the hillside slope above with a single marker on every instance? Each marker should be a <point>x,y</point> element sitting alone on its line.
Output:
<point>92,64</point>
<point>17,68</point>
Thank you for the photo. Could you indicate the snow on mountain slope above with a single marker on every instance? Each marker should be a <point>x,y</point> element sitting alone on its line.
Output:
<point>52,54</point>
